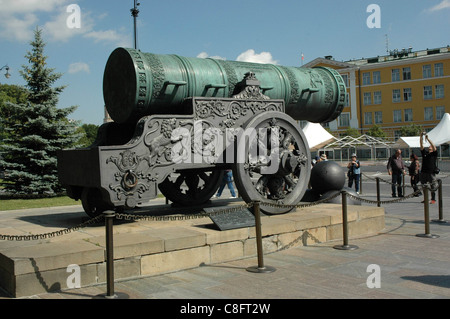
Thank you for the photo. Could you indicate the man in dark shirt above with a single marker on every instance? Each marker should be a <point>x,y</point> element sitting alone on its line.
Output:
<point>396,168</point>
<point>429,159</point>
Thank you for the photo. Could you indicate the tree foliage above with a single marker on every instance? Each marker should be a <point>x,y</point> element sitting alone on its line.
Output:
<point>35,129</point>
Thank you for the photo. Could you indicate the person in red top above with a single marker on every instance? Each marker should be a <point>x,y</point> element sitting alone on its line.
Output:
<point>429,167</point>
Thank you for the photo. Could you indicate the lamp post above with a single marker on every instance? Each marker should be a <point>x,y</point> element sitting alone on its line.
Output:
<point>7,74</point>
<point>135,13</point>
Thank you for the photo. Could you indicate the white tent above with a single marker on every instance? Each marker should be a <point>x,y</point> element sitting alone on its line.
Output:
<point>317,136</point>
<point>438,135</point>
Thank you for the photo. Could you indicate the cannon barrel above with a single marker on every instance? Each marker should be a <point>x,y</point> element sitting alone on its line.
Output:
<point>137,84</point>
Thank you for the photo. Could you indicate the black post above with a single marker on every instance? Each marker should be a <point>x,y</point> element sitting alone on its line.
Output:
<point>260,268</point>
<point>345,246</point>
<point>360,183</point>
<point>109,219</point>
<point>440,204</point>
<point>378,192</point>
<point>404,187</point>
<point>426,208</point>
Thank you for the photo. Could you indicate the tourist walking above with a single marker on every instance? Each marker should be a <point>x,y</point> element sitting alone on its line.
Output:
<point>414,170</point>
<point>354,173</point>
<point>396,168</point>
<point>429,166</point>
<point>227,180</point>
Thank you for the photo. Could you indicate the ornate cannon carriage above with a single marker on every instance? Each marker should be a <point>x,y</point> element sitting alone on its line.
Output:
<point>179,122</point>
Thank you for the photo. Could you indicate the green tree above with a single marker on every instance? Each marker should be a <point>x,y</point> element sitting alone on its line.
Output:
<point>12,94</point>
<point>376,131</point>
<point>353,132</point>
<point>36,129</point>
<point>411,130</point>
<point>89,134</point>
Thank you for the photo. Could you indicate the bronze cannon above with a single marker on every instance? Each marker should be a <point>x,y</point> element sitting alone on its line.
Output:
<point>178,122</point>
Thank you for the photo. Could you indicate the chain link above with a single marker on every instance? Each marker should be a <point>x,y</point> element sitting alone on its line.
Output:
<point>52,234</point>
<point>122,216</point>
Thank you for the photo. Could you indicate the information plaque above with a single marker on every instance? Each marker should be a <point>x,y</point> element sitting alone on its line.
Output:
<point>240,218</point>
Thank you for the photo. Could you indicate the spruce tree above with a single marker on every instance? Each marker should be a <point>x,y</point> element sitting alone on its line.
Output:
<point>36,130</point>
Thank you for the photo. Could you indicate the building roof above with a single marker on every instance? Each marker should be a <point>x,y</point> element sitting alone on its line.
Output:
<point>394,55</point>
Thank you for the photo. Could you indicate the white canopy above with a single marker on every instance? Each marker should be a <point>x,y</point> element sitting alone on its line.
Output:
<point>439,135</point>
<point>317,136</point>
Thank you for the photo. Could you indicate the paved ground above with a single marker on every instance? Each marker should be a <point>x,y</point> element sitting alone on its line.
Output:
<point>394,264</point>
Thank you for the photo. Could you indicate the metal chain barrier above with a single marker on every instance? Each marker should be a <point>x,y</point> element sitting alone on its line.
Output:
<point>52,234</point>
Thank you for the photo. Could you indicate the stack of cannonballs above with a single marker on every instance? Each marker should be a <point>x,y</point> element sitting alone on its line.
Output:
<point>328,179</point>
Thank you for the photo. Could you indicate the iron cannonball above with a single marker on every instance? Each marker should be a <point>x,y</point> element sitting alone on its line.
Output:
<point>327,176</point>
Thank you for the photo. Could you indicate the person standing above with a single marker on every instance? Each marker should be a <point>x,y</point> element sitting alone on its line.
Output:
<point>354,173</point>
<point>429,166</point>
<point>414,170</point>
<point>396,168</point>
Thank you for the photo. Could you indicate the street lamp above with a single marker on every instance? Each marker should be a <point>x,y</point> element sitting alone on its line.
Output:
<point>7,74</point>
<point>135,13</point>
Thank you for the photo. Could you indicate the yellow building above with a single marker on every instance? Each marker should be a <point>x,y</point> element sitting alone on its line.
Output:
<point>392,91</point>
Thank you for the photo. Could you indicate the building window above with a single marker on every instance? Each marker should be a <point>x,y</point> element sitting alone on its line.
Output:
<point>439,69</point>
<point>439,91</point>
<point>397,116</point>
<point>344,119</point>
<point>347,99</point>
<point>397,135</point>
<point>368,118</point>
<point>378,117</point>
<point>407,95</point>
<point>427,92</point>
<point>367,98</point>
<point>325,125</point>
<point>345,78</point>
<point>366,78</point>
<point>428,113</point>
<point>396,95</point>
<point>376,77</point>
<point>426,71</point>
<point>440,111</point>
<point>395,75</point>
<point>406,73</point>
<point>377,97</point>
<point>408,115</point>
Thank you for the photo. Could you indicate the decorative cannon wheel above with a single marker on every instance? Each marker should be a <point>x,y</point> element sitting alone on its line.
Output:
<point>91,200</point>
<point>275,172</point>
<point>190,188</point>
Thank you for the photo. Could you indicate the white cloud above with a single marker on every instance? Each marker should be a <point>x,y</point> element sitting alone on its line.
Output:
<point>251,56</point>
<point>110,36</point>
<point>204,55</point>
<point>445,4</point>
<point>79,67</point>
<point>19,29</point>
<point>29,6</point>
<point>18,19</point>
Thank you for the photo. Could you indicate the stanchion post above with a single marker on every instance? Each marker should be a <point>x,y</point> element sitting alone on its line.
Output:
<point>426,208</point>
<point>109,219</point>
<point>378,192</point>
<point>110,294</point>
<point>345,246</point>
<point>440,204</point>
<point>261,268</point>
<point>360,184</point>
<point>404,186</point>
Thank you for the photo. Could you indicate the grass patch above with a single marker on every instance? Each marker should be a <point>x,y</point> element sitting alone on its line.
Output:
<point>12,204</point>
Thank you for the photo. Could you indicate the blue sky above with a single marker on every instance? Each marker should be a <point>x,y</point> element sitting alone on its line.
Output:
<point>276,31</point>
